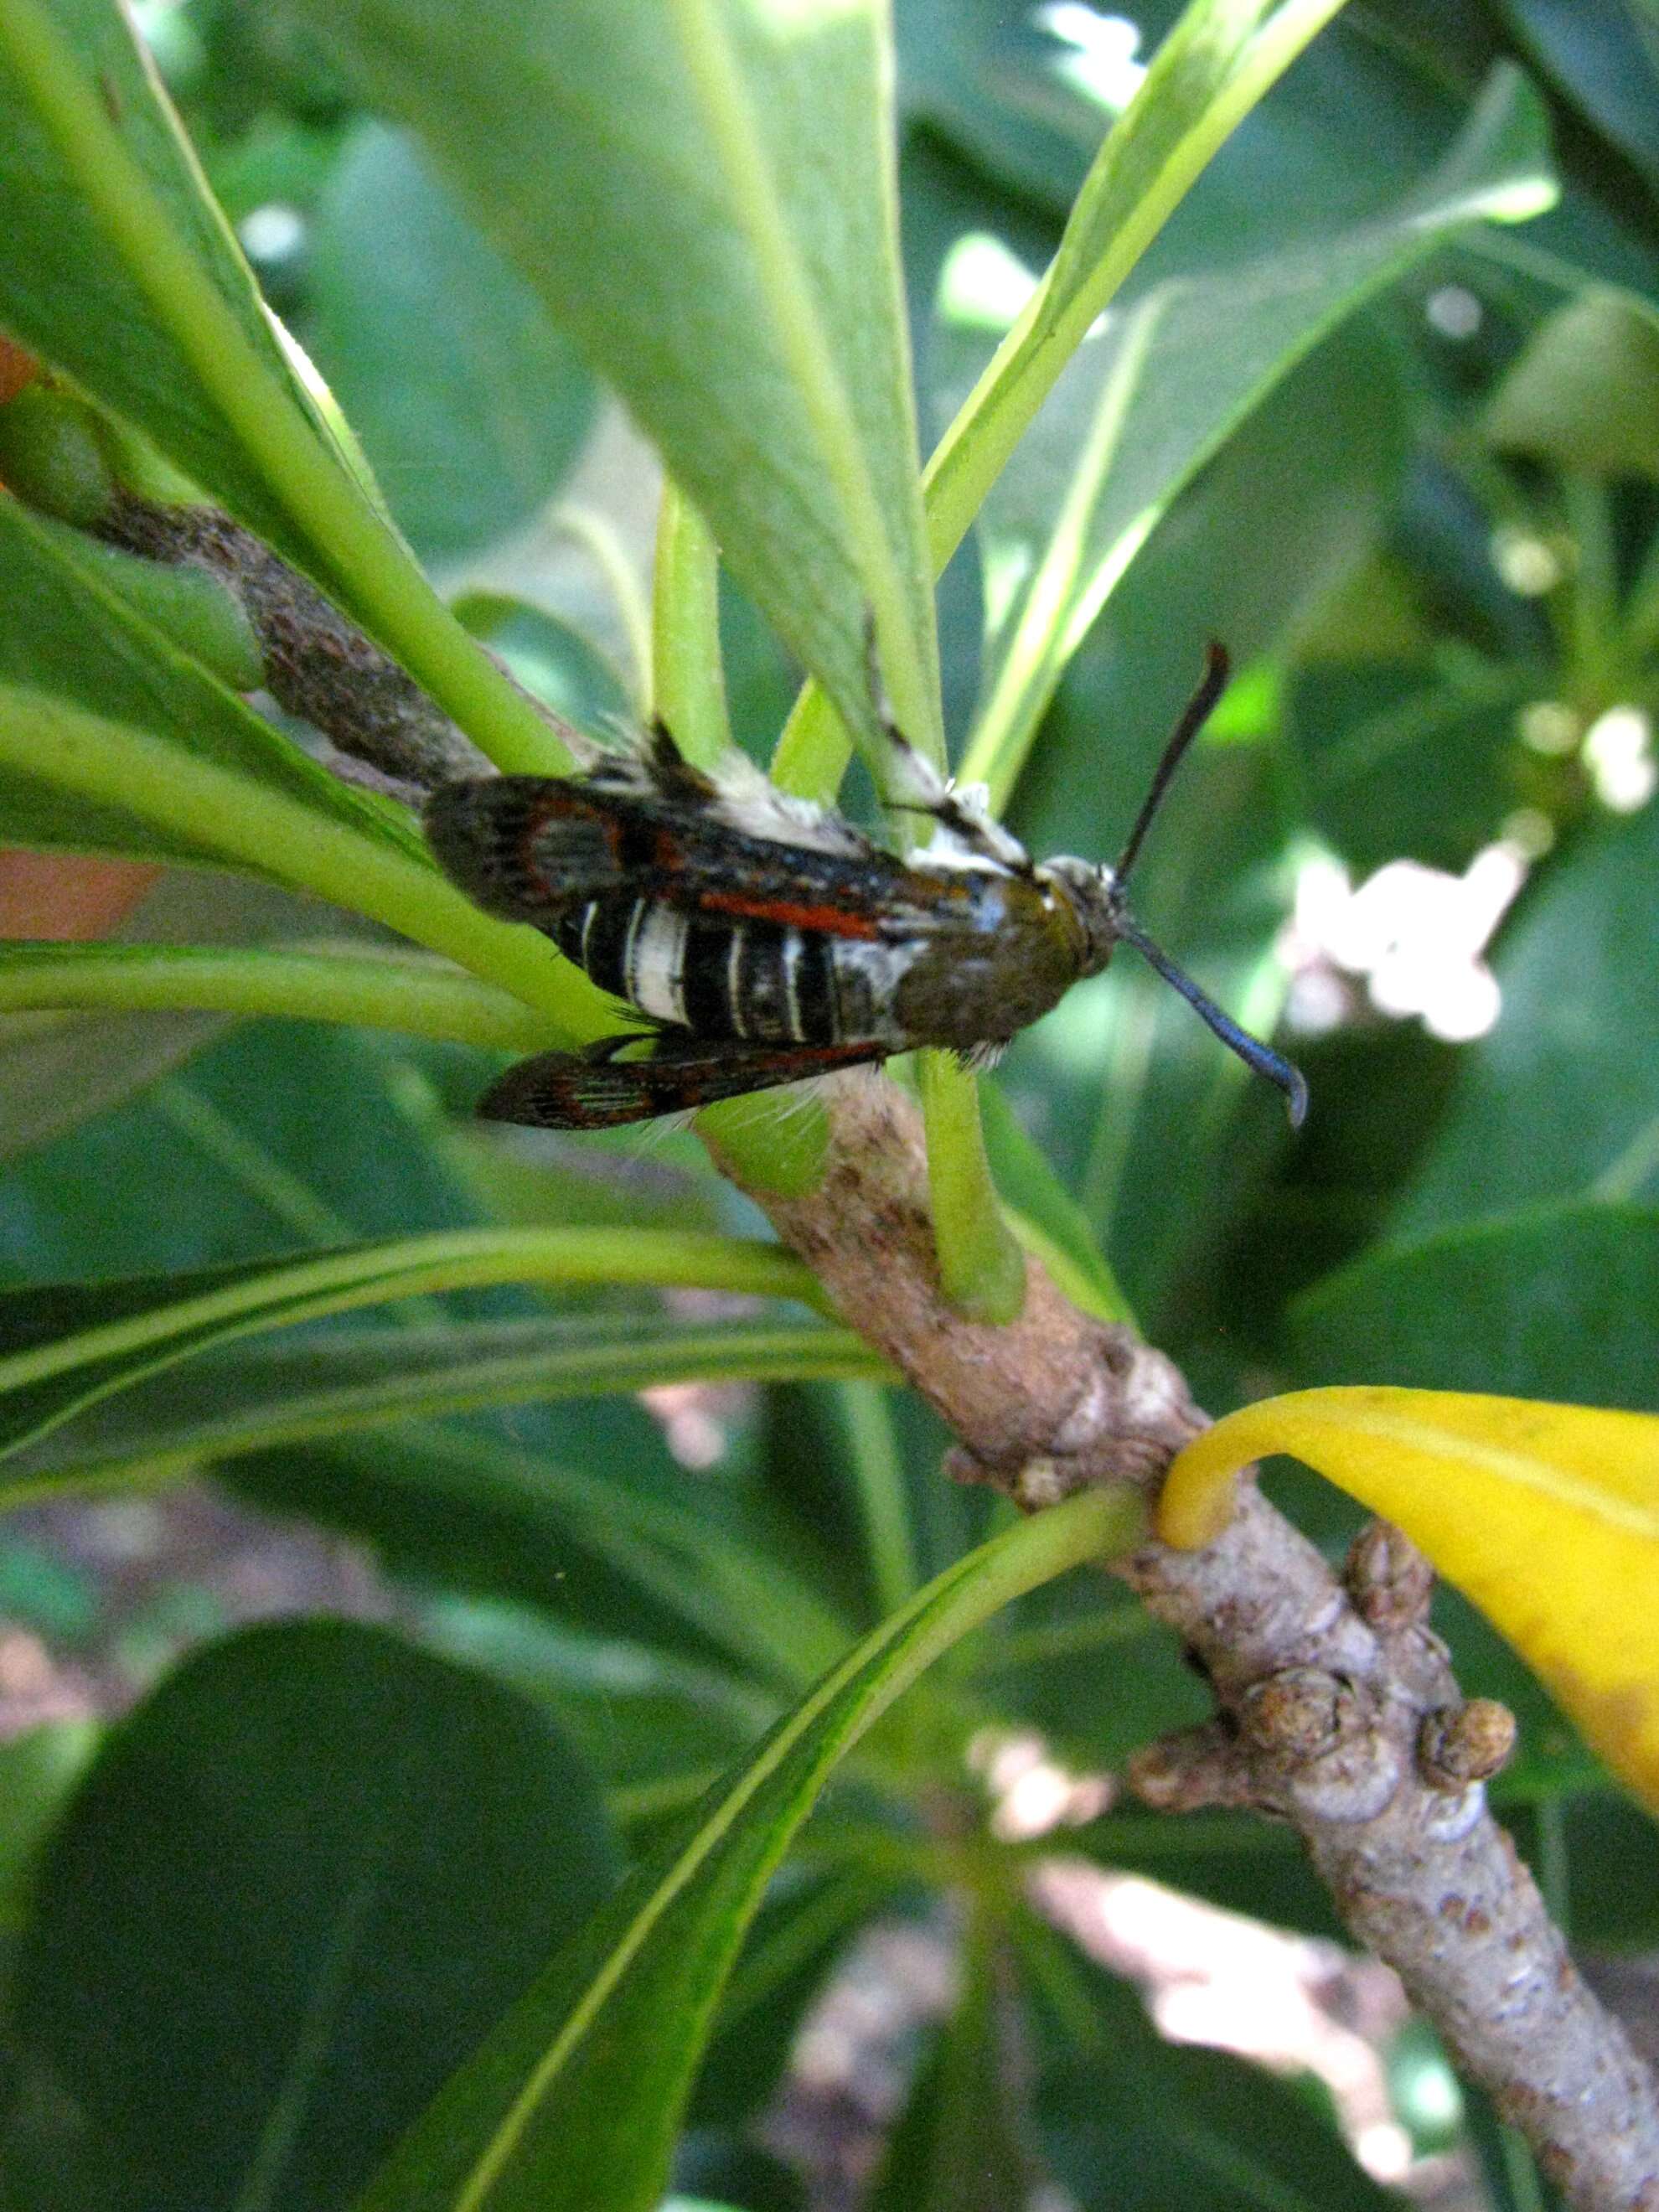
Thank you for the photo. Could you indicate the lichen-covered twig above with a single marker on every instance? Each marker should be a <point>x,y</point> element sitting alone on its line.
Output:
<point>318,664</point>
<point>1338,1710</point>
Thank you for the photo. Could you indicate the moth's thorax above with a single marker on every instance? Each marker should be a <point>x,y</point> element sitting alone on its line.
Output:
<point>1096,901</point>
<point>1028,945</point>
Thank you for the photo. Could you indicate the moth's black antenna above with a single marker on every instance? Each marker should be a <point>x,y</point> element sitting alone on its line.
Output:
<point>1251,1050</point>
<point>1200,707</point>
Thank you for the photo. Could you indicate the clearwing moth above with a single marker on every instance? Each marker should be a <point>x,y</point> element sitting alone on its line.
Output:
<point>763,939</point>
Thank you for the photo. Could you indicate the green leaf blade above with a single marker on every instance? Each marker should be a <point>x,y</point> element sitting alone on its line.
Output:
<point>264,1394</point>
<point>572,2103</point>
<point>63,290</point>
<point>243,1960</point>
<point>72,1345</point>
<point>657,173</point>
<point>1150,396</point>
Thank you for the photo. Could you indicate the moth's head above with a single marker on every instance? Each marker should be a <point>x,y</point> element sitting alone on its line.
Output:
<point>1096,896</point>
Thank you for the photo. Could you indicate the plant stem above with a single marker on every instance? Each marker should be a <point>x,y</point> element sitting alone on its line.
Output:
<point>879,1473</point>
<point>371,991</point>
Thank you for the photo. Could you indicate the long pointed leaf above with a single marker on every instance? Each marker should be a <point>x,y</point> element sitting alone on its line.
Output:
<point>74,1344</point>
<point>1149,395</point>
<point>374,990</point>
<point>261,1395</point>
<point>572,2103</point>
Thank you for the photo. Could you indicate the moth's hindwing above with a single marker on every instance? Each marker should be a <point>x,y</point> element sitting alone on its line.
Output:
<point>587,1091</point>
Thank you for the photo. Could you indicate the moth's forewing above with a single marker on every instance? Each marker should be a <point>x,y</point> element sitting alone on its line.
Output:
<point>527,847</point>
<point>534,848</point>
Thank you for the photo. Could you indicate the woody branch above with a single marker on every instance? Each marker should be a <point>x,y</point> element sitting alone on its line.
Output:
<point>1337,1710</point>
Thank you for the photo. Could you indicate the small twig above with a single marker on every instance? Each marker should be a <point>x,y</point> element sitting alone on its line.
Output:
<point>1338,1708</point>
<point>318,664</point>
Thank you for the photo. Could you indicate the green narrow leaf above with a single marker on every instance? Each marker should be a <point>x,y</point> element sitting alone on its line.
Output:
<point>572,2103</point>
<point>260,1395</point>
<point>373,990</point>
<point>701,190</point>
<point>805,1922</point>
<point>55,756</point>
<point>875,1472</point>
<point>1050,1219</point>
<point>71,1345</point>
<point>1212,69</point>
<point>65,629</point>
<point>1151,393</point>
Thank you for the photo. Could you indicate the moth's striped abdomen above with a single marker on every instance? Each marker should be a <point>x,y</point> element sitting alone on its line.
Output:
<point>763,982</point>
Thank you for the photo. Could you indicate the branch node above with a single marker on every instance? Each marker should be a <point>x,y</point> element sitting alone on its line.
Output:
<point>1457,1745</point>
<point>1193,1770</point>
<point>1299,1713</point>
<point>1388,1579</point>
<point>1320,1734</point>
<point>1040,1482</point>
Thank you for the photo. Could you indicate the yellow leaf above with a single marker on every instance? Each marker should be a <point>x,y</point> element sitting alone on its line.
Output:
<point>1546,1516</point>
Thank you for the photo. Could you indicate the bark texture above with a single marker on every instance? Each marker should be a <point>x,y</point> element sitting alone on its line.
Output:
<point>317,664</point>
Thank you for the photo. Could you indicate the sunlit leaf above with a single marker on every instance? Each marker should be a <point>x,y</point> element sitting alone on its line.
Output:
<point>700,192</point>
<point>65,285</point>
<point>111,231</point>
<point>1547,1516</point>
<point>1149,394</point>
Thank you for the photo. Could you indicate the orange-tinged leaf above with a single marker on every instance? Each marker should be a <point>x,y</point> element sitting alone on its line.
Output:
<point>1546,1516</point>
